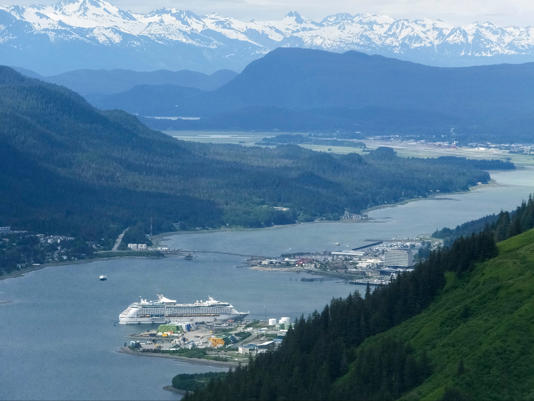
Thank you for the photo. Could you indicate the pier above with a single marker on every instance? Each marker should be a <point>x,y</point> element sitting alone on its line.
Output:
<point>375,243</point>
<point>178,251</point>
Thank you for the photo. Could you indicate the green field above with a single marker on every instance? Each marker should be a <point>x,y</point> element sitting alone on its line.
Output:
<point>404,148</point>
<point>244,138</point>
<point>163,328</point>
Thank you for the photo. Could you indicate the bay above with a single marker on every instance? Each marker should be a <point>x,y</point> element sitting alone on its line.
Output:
<point>59,337</point>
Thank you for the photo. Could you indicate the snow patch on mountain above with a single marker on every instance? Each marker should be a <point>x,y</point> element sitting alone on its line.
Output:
<point>336,32</point>
<point>228,42</point>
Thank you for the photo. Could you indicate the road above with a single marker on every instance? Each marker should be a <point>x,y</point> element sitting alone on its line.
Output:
<point>119,240</point>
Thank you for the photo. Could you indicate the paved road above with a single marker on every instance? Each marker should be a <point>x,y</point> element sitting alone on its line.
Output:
<point>119,240</point>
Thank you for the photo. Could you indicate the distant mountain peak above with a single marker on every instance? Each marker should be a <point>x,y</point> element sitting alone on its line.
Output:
<point>296,16</point>
<point>82,6</point>
<point>175,39</point>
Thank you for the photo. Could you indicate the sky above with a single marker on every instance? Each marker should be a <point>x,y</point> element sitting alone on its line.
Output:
<point>512,12</point>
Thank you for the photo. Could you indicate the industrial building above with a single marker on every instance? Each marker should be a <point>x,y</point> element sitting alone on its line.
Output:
<point>398,258</point>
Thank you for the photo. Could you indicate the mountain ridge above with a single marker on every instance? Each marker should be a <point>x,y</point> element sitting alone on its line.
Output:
<point>315,90</point>
<point>124,39</point>
<point>108,82</point>
<point>92,162</point>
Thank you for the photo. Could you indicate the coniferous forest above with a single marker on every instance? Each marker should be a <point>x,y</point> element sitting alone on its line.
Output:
<point>320,358</point>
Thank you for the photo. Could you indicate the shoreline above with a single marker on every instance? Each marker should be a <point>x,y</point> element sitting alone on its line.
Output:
<point>435,196</point>
<point>159,238</point>
<point>322,275</point>
<point>193,361</point>
<point>175,390</point>
<point>21,273</point>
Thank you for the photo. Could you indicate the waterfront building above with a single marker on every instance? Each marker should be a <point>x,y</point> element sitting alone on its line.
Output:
<point>137,247</point>
<point>398,258</point>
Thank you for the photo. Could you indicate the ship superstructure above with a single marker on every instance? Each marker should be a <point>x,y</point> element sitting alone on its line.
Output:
<point>165,310</point>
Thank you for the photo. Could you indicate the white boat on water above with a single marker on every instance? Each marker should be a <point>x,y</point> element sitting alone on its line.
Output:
<point>102,277</point>
<point>165,310</point>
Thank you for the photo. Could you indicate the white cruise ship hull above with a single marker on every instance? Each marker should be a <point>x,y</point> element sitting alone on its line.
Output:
<point>168,311</point>
<point>179,320</point>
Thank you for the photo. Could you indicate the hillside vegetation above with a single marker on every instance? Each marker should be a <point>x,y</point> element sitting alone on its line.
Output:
<point>477,334</point>
<point>69,168</point>
<point>458,327</point>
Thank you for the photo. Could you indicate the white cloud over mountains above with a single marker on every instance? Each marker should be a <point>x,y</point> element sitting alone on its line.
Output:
<point>513,12</point>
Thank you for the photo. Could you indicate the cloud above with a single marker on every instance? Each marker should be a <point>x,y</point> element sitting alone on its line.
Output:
<point>456,11</point>
<point>514,12</point>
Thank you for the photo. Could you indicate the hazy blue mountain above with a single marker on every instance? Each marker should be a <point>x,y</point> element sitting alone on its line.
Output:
<point>66,167</point>
<point>28,73</point>
<point>89,82</point>
<point>147,100</point>
<point>306,89</point>
<point>95,34</point>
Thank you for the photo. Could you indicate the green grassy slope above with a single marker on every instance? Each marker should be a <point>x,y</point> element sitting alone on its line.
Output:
<point>479,333</point>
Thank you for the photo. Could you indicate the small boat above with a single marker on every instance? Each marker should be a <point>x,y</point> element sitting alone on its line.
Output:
<point>102,277</point>
<point>188,257</point>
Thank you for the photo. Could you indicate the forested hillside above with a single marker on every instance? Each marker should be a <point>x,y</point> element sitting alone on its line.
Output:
<point>457,328</point>
<point>69,168</point>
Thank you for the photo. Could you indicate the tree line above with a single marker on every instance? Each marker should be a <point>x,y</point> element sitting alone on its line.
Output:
<point>319,358</point>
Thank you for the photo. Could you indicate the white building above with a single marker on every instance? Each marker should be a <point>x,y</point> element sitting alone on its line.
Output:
<point>349,253</point>
<point>247,349</point>
<point>284,322</point>
<point>137,247</point>
<point>398,258</point>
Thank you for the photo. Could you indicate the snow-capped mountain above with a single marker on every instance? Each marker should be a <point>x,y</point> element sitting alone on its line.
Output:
<point>96,34</point>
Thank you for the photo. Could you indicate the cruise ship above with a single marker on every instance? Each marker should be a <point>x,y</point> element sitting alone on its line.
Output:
<point>165,310</point>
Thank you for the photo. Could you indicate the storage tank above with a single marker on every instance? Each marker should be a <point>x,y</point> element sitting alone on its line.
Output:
<point>286,321</point>
<point>272,322</point>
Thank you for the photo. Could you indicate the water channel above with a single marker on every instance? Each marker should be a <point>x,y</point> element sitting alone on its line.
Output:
<point>59,337</point>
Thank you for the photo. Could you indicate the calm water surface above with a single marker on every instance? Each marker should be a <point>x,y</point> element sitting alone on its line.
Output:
<point>59,338</point>
<point>402,221</point>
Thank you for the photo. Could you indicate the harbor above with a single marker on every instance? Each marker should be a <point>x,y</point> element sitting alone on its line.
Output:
<point>72,295</point>
<point>205,330</point>
<point>230,343</point>
<point>375,263</point>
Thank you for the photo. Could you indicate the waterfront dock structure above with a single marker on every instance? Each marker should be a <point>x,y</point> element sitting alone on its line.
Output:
<point>372,244</point>
<point>231,342</point>
<point>375,263</point>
